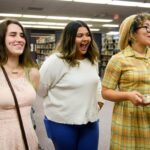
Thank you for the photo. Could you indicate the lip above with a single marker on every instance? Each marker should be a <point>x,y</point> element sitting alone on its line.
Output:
<point>84,47</point>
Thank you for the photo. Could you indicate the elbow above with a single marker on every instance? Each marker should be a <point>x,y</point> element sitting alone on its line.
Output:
<point>105,93</point>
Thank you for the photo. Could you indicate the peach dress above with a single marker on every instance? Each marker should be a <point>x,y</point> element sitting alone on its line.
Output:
<point>10,133</point>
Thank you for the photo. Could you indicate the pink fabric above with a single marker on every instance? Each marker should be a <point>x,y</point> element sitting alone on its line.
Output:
<point>10,134</point>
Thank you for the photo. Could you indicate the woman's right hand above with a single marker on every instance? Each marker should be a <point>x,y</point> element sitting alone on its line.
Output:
<point>136,98</point>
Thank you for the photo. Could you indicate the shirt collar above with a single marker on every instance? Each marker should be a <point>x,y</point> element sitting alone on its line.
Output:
<point>128,52</point>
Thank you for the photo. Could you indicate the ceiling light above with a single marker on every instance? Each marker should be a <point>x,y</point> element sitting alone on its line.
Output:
<point>114,2</point>
<point>94,29</point>
<point>10,15</point>
<point>46,23</point>
<point>43,23</point>
<point>50,27</point>
<point>92,1</point>
<point>33,16</point>
<point>129,3</point>
<point>78,18</point>
<point>110,25</point>
<point>44,27</point>
<point>56,17</point>
<point>113,33</point>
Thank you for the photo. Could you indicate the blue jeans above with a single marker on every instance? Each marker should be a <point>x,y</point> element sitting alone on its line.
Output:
<point>73,137</point>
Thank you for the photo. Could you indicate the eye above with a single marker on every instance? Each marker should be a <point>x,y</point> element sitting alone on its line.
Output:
<point>12,34</point>
<point>22,35</point>
<point>87,34</point>
<point>79,35</point>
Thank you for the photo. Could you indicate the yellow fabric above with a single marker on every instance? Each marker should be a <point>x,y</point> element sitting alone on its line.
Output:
<point>124,32</point>
<point>129,71</point>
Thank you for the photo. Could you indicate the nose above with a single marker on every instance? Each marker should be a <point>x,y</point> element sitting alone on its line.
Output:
<point>85,38</point>
<point>19,38</point>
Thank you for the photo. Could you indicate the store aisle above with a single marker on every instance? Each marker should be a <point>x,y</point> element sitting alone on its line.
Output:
<point>105,123</point>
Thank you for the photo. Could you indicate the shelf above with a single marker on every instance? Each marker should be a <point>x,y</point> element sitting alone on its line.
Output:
<point>44,46</point>
<point>109,48</point>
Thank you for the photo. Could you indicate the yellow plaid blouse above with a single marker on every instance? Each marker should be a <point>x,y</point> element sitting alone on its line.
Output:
<point>128,71</point>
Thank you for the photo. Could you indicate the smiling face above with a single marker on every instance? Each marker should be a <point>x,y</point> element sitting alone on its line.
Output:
<point>82,42</point>
<point>14,40</point>
<point>143,34</point>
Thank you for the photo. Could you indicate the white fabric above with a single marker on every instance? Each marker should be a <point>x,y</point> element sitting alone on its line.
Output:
<point>70,93</point>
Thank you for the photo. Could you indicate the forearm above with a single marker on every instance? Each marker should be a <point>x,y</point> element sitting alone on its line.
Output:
<point>114,95</point>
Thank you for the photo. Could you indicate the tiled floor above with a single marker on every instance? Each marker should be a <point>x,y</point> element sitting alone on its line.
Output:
<point>105,124</point>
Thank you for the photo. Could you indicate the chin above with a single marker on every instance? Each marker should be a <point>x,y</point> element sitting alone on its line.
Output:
<point>83,53</point>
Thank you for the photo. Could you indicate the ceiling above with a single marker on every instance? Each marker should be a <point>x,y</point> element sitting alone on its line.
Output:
<point>71,9</point>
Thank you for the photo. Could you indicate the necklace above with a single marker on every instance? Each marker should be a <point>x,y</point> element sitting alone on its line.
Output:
<point>14,72</point>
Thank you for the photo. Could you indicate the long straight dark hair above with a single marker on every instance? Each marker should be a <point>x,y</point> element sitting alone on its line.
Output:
<point>25,59</point>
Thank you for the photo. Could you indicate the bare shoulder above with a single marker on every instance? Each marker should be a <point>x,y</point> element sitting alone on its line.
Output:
<point>34,72</point>
<point>34,77</point>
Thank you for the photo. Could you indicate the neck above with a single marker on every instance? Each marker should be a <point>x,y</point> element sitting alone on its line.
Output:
<point>12,64</point>
<point>140,49</point>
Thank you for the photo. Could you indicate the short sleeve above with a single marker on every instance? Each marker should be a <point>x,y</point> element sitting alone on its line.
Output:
<point>112,73</point>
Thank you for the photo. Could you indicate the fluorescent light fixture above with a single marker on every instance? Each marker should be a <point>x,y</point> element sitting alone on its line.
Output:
<point>56,17</point>
<point>33,16</point>
<point>129,3</point>
<point>122,3</point>
<point>93,1</point>
<point>110,25</point>
<point>145,5</point>
<point>78,18</point>
<point>43,23</point>
<point>66,0</point>
<point>94,29</point>
<point>114,2</point>
<point>10,15</point>
<point>90,19</point>
<point>43,27</point>
<point>50,27</point>
<point>46,23</point>
<point>113,33</point>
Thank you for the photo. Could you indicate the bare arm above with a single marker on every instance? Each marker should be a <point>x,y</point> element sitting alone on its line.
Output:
<point>34,77</point>
<point>117,96</point>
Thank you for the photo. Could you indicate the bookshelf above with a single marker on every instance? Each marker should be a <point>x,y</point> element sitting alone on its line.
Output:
<point>44,46</point>
<point>109,48</point>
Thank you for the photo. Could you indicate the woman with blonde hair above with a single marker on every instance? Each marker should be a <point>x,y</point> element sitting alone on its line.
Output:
<point>127,83</point>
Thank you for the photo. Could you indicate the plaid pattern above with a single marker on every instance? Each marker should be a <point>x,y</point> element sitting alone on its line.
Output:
<point>128,71</point>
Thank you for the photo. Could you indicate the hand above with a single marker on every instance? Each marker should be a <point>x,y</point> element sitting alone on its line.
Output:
<point>136,98</point>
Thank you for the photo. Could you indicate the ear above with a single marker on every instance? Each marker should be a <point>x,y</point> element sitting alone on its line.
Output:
<point>132,38</point>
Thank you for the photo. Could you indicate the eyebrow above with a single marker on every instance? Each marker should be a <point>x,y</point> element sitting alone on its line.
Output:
<point>14,32</point>
<point>146,24</point>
